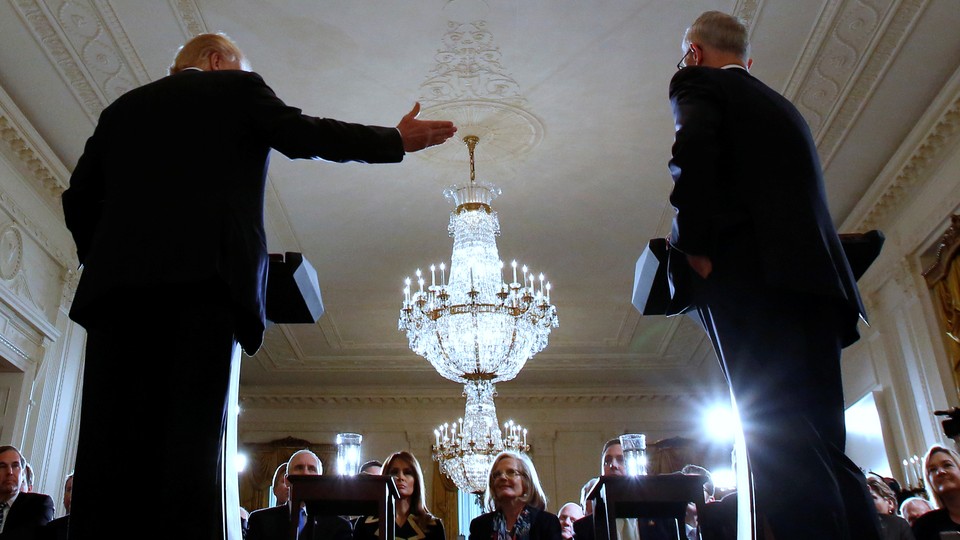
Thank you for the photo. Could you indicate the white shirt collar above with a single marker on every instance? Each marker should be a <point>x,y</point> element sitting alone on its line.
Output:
<point>735,66</point>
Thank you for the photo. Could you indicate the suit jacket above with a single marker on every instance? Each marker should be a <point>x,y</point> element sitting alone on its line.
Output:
<point>170,187</point>
<point>29,513</point>
<point>274,524</point>
<point>748,189</point>
<point>543,526</point>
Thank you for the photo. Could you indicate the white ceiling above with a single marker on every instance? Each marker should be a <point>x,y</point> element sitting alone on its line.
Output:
<point>586,84</point>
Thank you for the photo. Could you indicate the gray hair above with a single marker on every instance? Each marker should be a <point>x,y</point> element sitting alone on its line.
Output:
<point>720,31</point>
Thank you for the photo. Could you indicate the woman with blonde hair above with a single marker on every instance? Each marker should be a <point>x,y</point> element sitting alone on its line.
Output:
<point>413,519</point>
<point>516,503</point>
<point>941,467</point>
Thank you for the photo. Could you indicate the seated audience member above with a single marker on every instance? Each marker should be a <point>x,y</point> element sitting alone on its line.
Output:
<point>568,514</point>
<point>691,520</point>
<point>516,503</point>
<point>244,519</point>
<point>913,507</point>
<point>612,464</point>
<point>585,503</point>
<point>27,485</point>
<point>280,489</point>
<point>942,469</point>
<point>413,520</point>
<point>892,526</point>
<point>22,513</point>
<point>274,523</point>
<point>57,529</point>
<point>371,467</point>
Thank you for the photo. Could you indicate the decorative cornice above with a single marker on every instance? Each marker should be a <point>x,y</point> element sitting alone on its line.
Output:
<point>27,151</point>
<point>189,17</point>
<point>897,183</point>
<point>254,398</point>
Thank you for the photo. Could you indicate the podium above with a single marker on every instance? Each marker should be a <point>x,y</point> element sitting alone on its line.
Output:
<point>655,496</point>
<point>359,495</point>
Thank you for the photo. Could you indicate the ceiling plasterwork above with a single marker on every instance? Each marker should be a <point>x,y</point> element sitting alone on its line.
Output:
<point>253,397</point>
<point>861,90</point>
<point>472,88</point>
<point>747,11</point>
<point>86,43</point>
<point>189,17</point>
<point>916,169</point>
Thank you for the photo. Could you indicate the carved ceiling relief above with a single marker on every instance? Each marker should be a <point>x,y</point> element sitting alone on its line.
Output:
<point>471,87</point>
<point>837,59</point>
<point>188,14</point>
<point>878,60</point>
<point>98,49</point>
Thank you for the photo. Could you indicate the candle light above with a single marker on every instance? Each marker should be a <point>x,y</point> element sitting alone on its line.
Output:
<point>906,474</point>
<point>436,434</point>
<point>524,275</point>
<point>524,436</point>
<point>548,292</point>
<point>433,275</point>
<point>443,274</point>
<point>514,265</point>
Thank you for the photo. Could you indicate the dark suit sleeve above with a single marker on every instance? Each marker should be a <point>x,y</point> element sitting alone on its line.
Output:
<point>696,155</point>
<point>547,527</point>
<point>83,200</point>
<point>299,136</point>
<point>437,532</point>
<point>481,527</point>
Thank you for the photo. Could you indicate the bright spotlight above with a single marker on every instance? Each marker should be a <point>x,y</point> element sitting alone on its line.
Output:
<point>724,479</point>
<point>721,423</point>
<point>240,461</point>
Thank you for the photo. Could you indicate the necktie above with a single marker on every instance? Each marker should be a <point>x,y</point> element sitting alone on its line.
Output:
<point>3,513</point>
<point>302,522</point>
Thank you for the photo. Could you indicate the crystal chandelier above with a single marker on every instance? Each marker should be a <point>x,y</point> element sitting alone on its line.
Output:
<point>466,449</point>
<point>476,326</point>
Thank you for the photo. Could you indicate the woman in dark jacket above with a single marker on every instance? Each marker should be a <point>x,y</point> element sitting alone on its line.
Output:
<point>413,520</point>
<point>516,502</point>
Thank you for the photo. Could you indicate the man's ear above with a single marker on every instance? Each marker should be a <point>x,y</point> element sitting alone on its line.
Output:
<point>749,63</point>
<point>284,474</point>
<point>216,60</point>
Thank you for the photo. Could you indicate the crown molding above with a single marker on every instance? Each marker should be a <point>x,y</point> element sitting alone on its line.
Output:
<point>912,164</point>
<point>280,397</point>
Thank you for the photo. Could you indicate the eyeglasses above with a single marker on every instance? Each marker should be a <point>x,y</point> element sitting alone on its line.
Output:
<point>509,473</point>
<point>683,60</point>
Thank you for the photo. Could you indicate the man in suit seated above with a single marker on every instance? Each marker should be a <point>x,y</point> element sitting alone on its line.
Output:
<point>612,464</point>
<point>274,523</point>
<point>21,514</point>
<point>280,489</point>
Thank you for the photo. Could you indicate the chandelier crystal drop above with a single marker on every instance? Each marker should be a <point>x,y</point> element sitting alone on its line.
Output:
<point>465,449</point>
<point>476,326</point>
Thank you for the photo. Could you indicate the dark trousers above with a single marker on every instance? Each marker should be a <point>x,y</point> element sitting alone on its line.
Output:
<point>155,384</point>
<point>780,351</point>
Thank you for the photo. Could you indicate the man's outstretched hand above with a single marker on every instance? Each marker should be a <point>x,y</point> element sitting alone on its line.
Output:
<point>419,134</point>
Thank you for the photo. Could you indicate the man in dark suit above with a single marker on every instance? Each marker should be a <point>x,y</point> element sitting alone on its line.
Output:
<point>767,273</point>
<point>642,528</point>
<point>22,514</point>
<point>166,208</point>
<point>274,523</point>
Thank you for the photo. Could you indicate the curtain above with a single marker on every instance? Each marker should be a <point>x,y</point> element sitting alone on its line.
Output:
<point>444,504</point>
<point>943,277</point>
